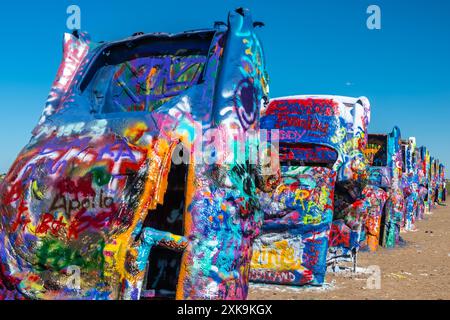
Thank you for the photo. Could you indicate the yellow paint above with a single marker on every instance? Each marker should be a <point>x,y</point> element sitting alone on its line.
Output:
<point>132,133</point>
<point>324,196</point>
<point>187,219</point>
<point>148,81</point>
<point>279,256</point>
<point>309,219</point>
<point>372,149</point>
<point>301,195</point>
<point>39,195</point>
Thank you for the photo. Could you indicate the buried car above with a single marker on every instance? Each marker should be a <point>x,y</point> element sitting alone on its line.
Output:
<point>293,245</point>
<point>385,171</point>
<point>434,182</point>
<point>121,182</point>
<point>357,204</point>
<point>442,185</point>
<point>410,183</point>
<point>431,185</point>
<point>420,168</point>
<point>424,178</point>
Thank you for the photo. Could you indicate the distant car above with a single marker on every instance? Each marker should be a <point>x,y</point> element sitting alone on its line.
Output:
<point>435,184</point>
<point>410,183</point>
<point>442,184</point>
<point>432,183</point>
<point>424,180</point>
<point>385,171</point>
<point>110,187</point>
<point>422,159</point>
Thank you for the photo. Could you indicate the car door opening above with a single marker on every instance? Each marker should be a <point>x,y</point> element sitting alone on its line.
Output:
<point>164,264</point>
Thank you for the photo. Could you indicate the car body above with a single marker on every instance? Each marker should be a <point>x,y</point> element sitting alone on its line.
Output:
<point>114,182</point>
<point>422,181</point>
<point>444,193</point>
<point>434,190</point>
<point>431,184</point>
<point>410,183</point>
<point>357,205</point>
<point>425,182</point>
<point>385,171</point>
<point>292,247</point>
<point>442,184</point>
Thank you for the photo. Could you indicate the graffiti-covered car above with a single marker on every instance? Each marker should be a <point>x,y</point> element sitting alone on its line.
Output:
<point>444,193</point>
<point>442,184</point>
<point>293,245</point>
<point>431,183</point>
<point>356,204</point>
<point>410,183</point>
<point>420,168</point>
<point>434,183</point>
<point>424,183</point>
<point>385,171</point>
<point>120,181</point>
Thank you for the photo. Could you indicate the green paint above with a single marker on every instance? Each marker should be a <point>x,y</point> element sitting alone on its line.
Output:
<point>57,255</point>
<point>100,176</point>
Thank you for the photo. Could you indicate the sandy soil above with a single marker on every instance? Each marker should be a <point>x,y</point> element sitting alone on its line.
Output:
<point>419,270</point>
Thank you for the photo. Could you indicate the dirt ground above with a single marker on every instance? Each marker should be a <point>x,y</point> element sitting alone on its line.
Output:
<point>419,270</point>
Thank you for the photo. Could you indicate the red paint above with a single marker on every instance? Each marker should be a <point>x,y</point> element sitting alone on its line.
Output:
<point>48,222</point>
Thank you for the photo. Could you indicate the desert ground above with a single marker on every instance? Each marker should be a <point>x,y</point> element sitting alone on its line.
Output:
<point>418,270</point>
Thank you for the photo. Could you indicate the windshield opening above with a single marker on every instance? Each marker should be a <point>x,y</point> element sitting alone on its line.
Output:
<point>144,74</point>
<point>376,151</point>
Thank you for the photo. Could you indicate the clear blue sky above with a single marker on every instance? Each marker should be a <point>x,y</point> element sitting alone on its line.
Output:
<point>320,46</point>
